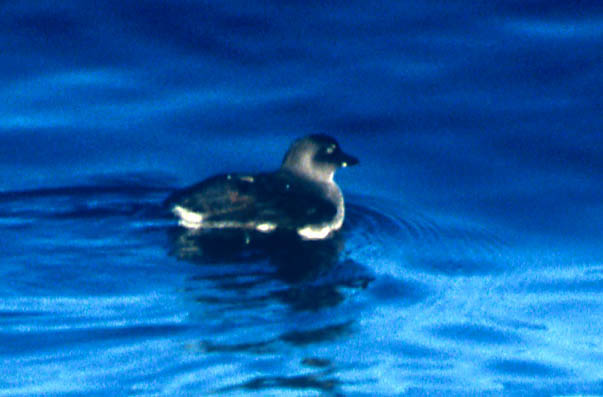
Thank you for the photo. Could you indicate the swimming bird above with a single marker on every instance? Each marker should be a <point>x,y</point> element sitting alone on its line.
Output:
<point>300,196</point>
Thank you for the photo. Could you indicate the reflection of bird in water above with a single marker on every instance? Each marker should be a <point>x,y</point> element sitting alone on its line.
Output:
<point>311,270</point>
<point>301,197</point>
<point>295,259</point>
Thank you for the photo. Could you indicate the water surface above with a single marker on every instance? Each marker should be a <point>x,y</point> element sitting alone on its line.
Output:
<point>470,262</point>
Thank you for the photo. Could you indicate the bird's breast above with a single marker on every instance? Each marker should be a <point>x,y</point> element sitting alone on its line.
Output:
<point>323,230</point>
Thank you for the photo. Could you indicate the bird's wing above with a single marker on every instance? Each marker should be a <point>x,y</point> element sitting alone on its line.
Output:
<point>263,198</point>
<point>217,195</point>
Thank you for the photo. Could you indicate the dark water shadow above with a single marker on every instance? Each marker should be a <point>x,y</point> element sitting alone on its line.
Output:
<point>311,271</point>
<point>253,275</point>
<point>476,333</point>
<point>461,267</point>
<point>14,342</point>
<point>8,314</point>
<point>98,197</point>
<point>393,291</point>
<point>526,368</point>
<point>566,286</point>
<point>321,381</point>
<point>296,338</point>
<point>244,275</point>
<point>123,188</point>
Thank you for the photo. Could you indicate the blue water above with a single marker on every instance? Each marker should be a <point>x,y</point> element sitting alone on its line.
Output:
<point>471,259</point>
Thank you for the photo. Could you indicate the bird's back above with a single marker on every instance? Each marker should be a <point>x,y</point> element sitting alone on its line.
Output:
<point>275,200</point>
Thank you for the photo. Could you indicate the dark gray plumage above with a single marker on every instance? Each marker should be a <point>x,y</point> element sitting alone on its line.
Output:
<point>300,196</point>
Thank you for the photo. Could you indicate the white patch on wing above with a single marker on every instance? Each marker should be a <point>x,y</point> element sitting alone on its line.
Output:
<point>247,179</point>
<point>188,219</point>
<point>195,220</point>
<point>313,232</point>
<point>265,227</point>
<point>225,225</point>
<point>324,230</point>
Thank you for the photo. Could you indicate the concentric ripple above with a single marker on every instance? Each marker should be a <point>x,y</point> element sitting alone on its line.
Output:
<point>446,245</point>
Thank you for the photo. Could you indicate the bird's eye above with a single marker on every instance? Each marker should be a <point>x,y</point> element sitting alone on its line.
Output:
<point>330,149</point>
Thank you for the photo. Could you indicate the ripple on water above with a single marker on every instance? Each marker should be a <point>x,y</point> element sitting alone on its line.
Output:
<point>475,333</point>
<point>433,298</point>
<point>527,369</point>
<point>390,290</point>
<point>447,246</point>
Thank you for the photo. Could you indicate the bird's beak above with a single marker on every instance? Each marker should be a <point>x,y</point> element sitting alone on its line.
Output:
<point>345,160</point>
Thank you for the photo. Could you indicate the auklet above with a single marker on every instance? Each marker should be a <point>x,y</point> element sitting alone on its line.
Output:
<point>301,196</point>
